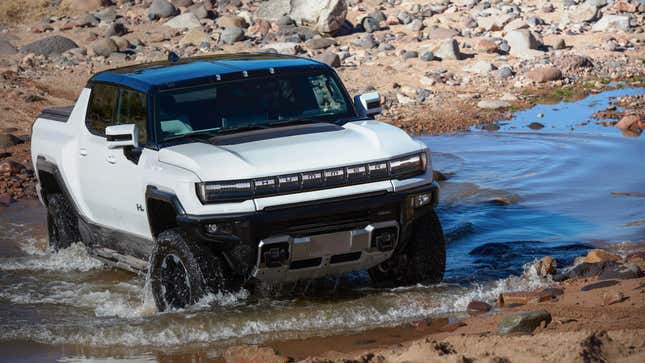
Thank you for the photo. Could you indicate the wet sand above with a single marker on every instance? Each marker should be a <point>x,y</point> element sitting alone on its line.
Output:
<point>577,316</point>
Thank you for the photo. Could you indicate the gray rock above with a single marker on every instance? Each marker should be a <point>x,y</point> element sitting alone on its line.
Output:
<point>525,322</point>
<point>290,48</point>
<point>7,140</point>
<point>55,44</point>
<point>104,47</point>
<point>405,17</point>
<point>320,43</point>
<point>492,104</point>
<point>161,9</point>
<point>106,15</point>
<point>504,72</point>
<point>409,54</point>
<point>326,16</point>
<point>522,42</point>
<point>386,46</point>
<point>201,12</point>
<point>582,13</point>
<point>378,15</point>
<point>88,20</point>
<point>481,67</point>
<point>370,24</point>
<point>625,271</point>
<point>535,21</point>
<point>231,35</point>
<point>560,44</point>
<point>416,25</point>
<point>330,58</point>
<point>443,33</point>
<point>611,22</point>
<point>536,126</point>
<point>449,49</point>
<point>366,41</point>
<point>182,3</point>
<point>184,21</point>
<point>427,56</point>
<point>6,48</point>
<point>285,20</point>
<point>116,29</point>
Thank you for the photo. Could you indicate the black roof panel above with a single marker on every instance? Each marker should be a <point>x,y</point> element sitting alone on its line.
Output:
<point>187,71</point>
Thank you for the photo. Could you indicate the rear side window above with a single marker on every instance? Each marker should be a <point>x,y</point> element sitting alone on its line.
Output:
<point>102,107</point>
<point>132,110</point>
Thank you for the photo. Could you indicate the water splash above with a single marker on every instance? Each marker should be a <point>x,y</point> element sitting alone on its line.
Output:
<point>73,258</point>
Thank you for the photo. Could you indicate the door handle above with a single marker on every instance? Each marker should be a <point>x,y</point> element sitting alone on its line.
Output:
<point>111,158</point>
<point>83,151</point>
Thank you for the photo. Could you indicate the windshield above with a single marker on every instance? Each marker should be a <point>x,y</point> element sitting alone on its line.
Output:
<point>251,103</point>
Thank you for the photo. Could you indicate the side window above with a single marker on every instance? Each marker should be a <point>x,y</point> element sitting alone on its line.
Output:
<point>101,111</point>
<point>132,110</point>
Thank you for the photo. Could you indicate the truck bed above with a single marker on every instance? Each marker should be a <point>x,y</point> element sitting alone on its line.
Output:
<point>60,114</point>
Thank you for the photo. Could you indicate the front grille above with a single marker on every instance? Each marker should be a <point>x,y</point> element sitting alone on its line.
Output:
<point>332,220</point>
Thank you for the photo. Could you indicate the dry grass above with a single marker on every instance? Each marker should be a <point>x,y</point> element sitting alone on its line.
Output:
<point>17,11</point>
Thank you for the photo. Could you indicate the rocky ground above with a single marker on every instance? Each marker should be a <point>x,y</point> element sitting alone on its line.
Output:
<point>595,312</point>
<point>441,66</point>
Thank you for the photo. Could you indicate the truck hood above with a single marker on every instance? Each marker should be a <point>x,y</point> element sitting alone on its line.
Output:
<point>285,151</point>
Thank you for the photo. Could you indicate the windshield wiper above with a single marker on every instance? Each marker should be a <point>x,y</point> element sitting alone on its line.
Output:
<point>297,121</point>
<point>204,134</point>
<point>242,128</point>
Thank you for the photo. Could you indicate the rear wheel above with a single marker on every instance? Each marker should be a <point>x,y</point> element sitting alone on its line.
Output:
<point>422,260</point>
<point>62,222</point>
<point>182,271</point>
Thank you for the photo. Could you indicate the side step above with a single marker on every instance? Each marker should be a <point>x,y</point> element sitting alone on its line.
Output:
<point>128,263</point>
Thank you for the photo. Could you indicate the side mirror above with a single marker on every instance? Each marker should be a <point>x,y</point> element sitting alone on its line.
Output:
<point>122,136</point>
<point>368,104</point>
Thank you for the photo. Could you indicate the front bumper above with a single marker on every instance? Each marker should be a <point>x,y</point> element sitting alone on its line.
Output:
<point>313,239</point>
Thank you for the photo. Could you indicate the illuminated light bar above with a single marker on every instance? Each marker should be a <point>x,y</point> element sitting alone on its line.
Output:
<point>239,190</point>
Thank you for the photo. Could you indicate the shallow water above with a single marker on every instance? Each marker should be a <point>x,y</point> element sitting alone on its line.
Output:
<point>558,182</point>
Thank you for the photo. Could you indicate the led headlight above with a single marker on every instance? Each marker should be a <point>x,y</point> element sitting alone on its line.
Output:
<point>239,190</point>
<point>225,190</point>
<point>408,165</point>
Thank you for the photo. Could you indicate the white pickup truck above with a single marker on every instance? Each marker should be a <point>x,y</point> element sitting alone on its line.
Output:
<point>214,172</point>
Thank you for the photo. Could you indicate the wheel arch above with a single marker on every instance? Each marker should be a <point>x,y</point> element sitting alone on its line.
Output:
<point>50,180</point>
<point>162,208</point>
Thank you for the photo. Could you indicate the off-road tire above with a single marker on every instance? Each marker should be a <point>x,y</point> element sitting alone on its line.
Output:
<point>204,271</point>
<point>62,222</point>
<point>422,260</point>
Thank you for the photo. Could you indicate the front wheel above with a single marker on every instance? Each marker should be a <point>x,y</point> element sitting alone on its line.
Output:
<point>422,259</point>
<point>62,222</point>
<point>182,271</point>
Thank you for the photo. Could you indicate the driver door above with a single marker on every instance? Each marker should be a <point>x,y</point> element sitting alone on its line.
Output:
<point>111,184</point>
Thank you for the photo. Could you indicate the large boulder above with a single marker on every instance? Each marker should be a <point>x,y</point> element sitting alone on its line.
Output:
<point>611,22</point>
<point>325,16</point>
<point>53,45</point>
<point>161,9</point>
<point>522,42</point>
